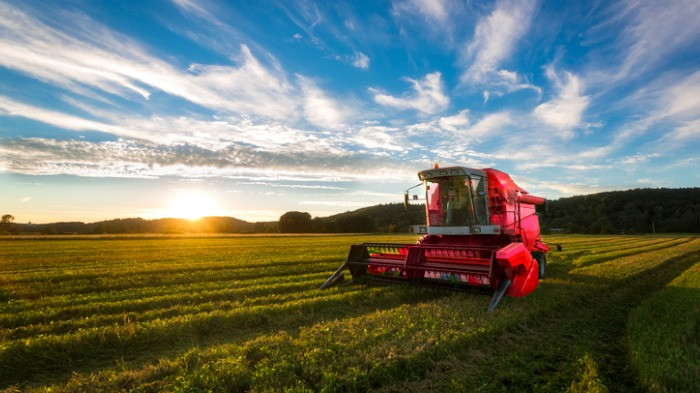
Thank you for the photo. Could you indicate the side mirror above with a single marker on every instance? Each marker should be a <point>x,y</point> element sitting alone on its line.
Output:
<point>405,201</point>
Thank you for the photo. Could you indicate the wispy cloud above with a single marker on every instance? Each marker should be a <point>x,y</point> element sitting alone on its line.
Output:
<point>669,107</point>
<point>319,109</point>
<point>428,95</point>
<point>209,30</point>
<point>381,138</point>
<point>570,189</point>
<point>565,112</point>
<point>681,100</point>
<point>460,141</point>
<point>445,125</point>
<point>455,122</point>
<point>89,56</point>
<point>433,10</point>
<point>494,42</point>
<point>438,20</point>
<point>490,126</point>
<point>11,107</point>
<point>125,158</point>
<point>639,158</point>
<point>686,132</point>
<point>655,30</point>
<point>302,186</point>
<point>360,60</point>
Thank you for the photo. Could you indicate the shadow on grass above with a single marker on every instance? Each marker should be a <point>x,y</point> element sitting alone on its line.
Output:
<point>542,350</point>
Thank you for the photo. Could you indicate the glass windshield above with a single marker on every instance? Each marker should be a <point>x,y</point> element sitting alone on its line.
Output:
<point>449,202</point>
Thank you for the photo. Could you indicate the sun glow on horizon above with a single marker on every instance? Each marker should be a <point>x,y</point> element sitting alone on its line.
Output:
<point>190,205</point>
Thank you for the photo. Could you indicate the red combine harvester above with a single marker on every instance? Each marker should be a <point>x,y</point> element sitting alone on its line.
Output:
<point>482,233</point>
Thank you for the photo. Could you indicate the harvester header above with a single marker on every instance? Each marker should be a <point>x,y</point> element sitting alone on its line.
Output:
<point>482,232</point>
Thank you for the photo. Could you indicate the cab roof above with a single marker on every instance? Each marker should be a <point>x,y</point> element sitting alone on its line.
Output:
<point>450,171</point>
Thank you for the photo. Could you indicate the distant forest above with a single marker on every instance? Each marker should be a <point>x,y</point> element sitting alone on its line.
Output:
<point>140,225</point>
<point>632,212</point>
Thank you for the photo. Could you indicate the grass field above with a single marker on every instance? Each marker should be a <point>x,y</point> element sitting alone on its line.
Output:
<point>190,314</point>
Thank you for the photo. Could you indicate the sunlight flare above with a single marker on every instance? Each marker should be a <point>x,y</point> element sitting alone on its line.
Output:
<point>191,205</point>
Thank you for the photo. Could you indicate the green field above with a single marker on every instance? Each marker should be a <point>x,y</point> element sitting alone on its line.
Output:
<point>616,313</point>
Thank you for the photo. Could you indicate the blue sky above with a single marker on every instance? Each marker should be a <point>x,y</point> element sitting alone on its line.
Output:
<point>251,109</point>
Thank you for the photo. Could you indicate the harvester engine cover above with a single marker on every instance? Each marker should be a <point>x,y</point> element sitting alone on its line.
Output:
<point>482,233</point>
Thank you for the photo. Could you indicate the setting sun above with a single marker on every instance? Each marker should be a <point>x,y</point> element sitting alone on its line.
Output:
<point>191,205</point>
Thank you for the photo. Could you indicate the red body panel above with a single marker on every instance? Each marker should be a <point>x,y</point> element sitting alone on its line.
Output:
<point>521,269</point>
<point>513,209</point>
<point>524,283</point>
<point>514,256</point>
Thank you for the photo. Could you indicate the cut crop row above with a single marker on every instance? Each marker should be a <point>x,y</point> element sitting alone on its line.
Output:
<point>25,357</point>
<point>207,303</point>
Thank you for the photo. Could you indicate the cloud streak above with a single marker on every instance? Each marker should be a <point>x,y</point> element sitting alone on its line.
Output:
<point>91,56</point>
<point>494,42</point>
<point>564,112</point>
<point>123,158</point>
<point>428,95</point>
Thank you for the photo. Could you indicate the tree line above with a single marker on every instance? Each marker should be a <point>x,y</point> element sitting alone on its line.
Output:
<point>633,211</point>
<point>140,225</point>
<point>389,217</point>
<point>638,211</point>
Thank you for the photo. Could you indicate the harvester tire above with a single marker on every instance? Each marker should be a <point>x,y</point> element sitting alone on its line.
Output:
<point>542,262</point>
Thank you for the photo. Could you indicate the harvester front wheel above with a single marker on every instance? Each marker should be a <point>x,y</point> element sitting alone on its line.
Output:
<point>542,262</point>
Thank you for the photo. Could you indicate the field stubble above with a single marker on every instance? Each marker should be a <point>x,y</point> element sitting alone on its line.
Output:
<point>244,313</point>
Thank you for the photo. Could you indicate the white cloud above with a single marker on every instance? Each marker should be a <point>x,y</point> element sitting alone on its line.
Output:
<point>360,60</point>
<point>86,57</point>
<point>355,204</point>
<point>494,41</point>
<point>431,9</point>
<point>455,122</point>
<point>490,126</point>
<point>670,106</point>
<point>446,125</point>
<point>319,109</point>
<point>685,132</point>
<point>681,100</point>
<point>125,158</point>
<point>565,112</point>
<point>208,133</point>
<point>439,21</point>
<point>428,96</point>
<point>639,158</point>
<point>380,138</point>
<point>59,119</point>
<point>656,29</point>
<point>570,189</point>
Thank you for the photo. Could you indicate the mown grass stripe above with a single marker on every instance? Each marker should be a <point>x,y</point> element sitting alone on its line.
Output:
<point>54,314</point>
<point>664,337</point>
<point>605,255</point>
<point>66,310</point>
<point>105,283</point>
<point>163,313</point>
<point>24,358</point>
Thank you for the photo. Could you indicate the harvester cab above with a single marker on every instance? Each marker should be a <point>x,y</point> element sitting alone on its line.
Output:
<point>482,233</point>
